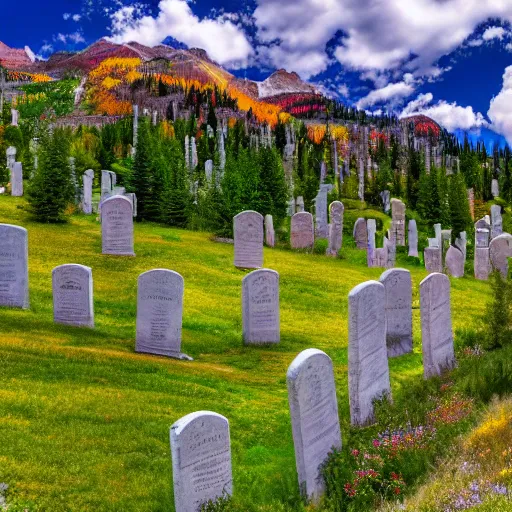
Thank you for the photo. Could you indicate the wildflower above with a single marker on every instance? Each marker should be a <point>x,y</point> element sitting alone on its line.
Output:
<point>376,443</point>
<point>355,453</point>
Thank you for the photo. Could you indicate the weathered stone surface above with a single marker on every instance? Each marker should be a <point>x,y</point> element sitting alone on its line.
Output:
<point>436,325</point>
<point>11,156</point>
<point>336,210</point>
<point>248,231</point>
<point>208,169</point>
<point>87,180</point>
<point>413,239</point>
<point>314,413</point>
<point>361,234</point>
<point>160,313</point>
<point>117,226</point>
<point>133,200</point>
<point>260,307</point>
<point>482,263</point>
<point>483,223</point>
<point>321,228</point>
<point>13,266</point>
<point>270,235</point>
<point>72,295</point>
<point>368,371</point>
<point>495,188</point>
<point>500,249</point>
<point>14,117</point>
<point>291,207</point>
<point>433,259</point>
<point>371,256</point>
<point>106,183</point>
<point>300,204</point>
<point>398,286</point>
<point>398,222</point>
<point>201,460</point>
<point>496,221</point>
<point>461,243</point>
<point>302,233</point>
<point>17,180</point>
<point>482,238</point>
<point>385,195</point>
<point>455,262</point>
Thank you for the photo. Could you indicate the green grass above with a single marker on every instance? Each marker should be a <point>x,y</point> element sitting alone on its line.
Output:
<point>84,420</point>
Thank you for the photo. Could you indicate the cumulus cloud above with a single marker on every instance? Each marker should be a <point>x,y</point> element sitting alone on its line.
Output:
<point>224,41</point>
<point>388,94</point>
<point>494,33</point>
<point>500,110</point>
<point>75,37</point>
<point>449,115</point>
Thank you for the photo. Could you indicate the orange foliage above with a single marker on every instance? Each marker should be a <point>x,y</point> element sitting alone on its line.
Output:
<point>167,129</point>
<point>316,133</point>
<point>21,76</point>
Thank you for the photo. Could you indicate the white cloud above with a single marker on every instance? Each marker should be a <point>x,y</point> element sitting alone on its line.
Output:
<point>494,33</point>
<point>387,94</point>
<point>500,110</point>
<point>77,17</point>
<point>75,37</point>
<point>224,41</point>
<point>449,115</point>
<point>509,47</point>
<point>66,15</point>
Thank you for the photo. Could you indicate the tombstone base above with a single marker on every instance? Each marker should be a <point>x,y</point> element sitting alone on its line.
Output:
<point>399,347</point>
<point>173,355</point>
<point>107,253</point>
<point>261,342</point>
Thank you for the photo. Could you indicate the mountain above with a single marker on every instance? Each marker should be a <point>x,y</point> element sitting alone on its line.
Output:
<point>282,82</point>
<point>15,59</point>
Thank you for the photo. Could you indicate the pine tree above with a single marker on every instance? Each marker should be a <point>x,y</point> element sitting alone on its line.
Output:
<point>177,198</point>
<point>459,206</point>
<point>272,184</point>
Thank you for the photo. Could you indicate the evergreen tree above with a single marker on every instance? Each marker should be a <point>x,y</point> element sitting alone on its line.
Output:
<point>272,184</point>
<point>459,206</point>
<point>177,197</point>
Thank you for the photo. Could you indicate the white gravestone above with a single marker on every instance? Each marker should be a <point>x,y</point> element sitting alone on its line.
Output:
<point>455,262</point>
<point>368,371</point>
<point>398,285</point>
<point>72,295</point>
<point>248,231</point>
<point>413,239</point>
<point>106,183</point>
<point>160,313</point>
<point>14,117</point>
<point>270,236</point>
<point>208,170</point>
<point>500,250</point>
<point>314,413</point>
<point>321,228</point>
<point>436,325</point>
<point>398,222</point>
<point>495,188</point>
<point>336,210</point>
<point>133,199</point>
<point>433,259</point>
<point>302,233</point>
<point>299,204</point>
<point>260,307</point>
<point>17,180</point>
<point>496,221</point>
<point>87,180</point>
<point>201,460</point>
<point>361,234</point>
<point>117,226</point>
<point>11,156</point>
<point>13,266</point>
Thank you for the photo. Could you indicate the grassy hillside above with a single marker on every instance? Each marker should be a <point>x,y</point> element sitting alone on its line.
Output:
<point>84,421</point>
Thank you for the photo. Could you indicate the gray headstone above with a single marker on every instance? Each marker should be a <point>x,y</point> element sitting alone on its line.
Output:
<point>106,183</point>
<point>482,263</point>
<point>336,210</point>
<point>398,286</point>
<point>413,239</point>
<point>248,231</point>
<point>500,249</point>
<point>302,235</point>
<point>260,307</point>
<point>433,259</point>
<point>17,180</point>
<point>300,204</point>
<point>270,236</point>
<point>160,313</point>
<point>368,371</point>
<point>133,199</point>
<point>436,325</point>
<point>14,117</point>
<point>495,188</point>
<point>118,191</point>
<point>372,255</point>
<point>13,266</point>
<point>496,221</point>
<point>117,226</point>
<point>483,223</point>
<point>87,180</point>
<point>135,127</point>
<point>201,460</point>
<point>360,190</point>
<point>208,169</point>
<point>314,413</point>
<point>321,228</point>
<point>398,222</point>
<point>73,295</point>
<point>11,156</point>
<point>361,234</point>
<point>385,195</point>
<point>461,242</point>
<point>455,262</point>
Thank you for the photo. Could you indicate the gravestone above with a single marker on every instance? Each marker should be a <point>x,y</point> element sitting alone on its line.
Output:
<point>13,266</point>
<point>336,209</point>
<point>360,190</point>
<point>461,243</point>
<point>385,196</point>
<point>87,180</point>
<point>299,204</point>
<point>14,117</point>
<point>413,239</point>
<point>495,188</point>
<point>496,221</point>
<point>117,226</point>
<point>368,371</point>
<point>133,200</point>
<point>361,234</point>
<point>11,156</point>
<point>471,201</point>
<point>201,460</point>
<point>72,295</point>
<point>315,421</point>
<point>500,249</point>
<point>208,170</point>
<point>260,307</point>
<point>135,128</point>
<point>321,229</point>
<point>398,287</point>
<point>482,263</point>
<point>455,262</point>
<point>248,232</point>
<point>302,233</point>
<point>436,325</point>
<point>270,236</point>
<point>323,172</point>
<point>106,184</point>
<point>160,313</point>
<point>398,222</point>
<point>17,180</point>
<point>371,256</point>
<point>291,207</point>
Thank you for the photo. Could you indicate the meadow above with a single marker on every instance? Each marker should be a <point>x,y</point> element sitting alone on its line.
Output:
<point>84,420</point>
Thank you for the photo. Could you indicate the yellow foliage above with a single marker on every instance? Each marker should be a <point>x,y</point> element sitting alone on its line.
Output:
<point>109,82</point>
<point>494,432</point>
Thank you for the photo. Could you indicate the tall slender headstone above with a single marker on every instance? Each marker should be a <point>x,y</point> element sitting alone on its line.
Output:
<point>73,295</point>
<point>208,170</point>
<point>160,313</point>
<point>270,236</point>
<point>495,188</point>
<point>222,151</point>
<point>14,117</point>
<point>361,233</point>
<point>368,371</point>
<point>371,227</point>
<point>11,156</point>
<point>336,210</point>
<point>135,127</point>
<point>398,222</point>
<point>13,266</point>
<point>302,233</point>
<point>482,263</point>
<point>260,307</point>
<point>500,250</point>
<point>106,184</point>
<point>398,286</point>
<point>496,221</point>
<point>436,325</point>
<point>321,227</point>
<point>385,195</point>
<point>87,180</point>
<point>201,460</point>
<point>315,421</point>
<point>17,180</point>
<point>360,190</point>
<point>299,204</point>
<point>117,226</point>
<point>248,232</point>
<point>413,239</point>
<point>133,200</point>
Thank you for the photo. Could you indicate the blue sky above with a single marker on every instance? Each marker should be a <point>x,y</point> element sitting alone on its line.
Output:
<point>450,59</point>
